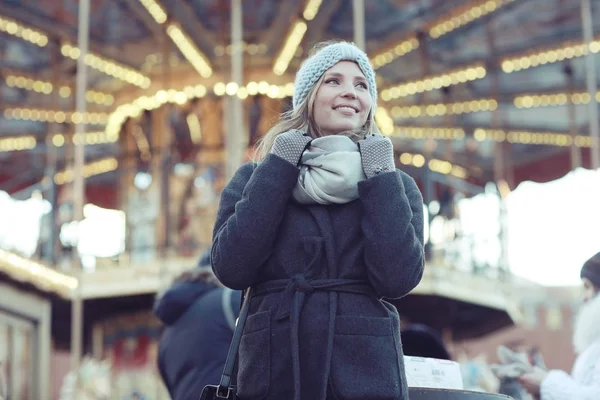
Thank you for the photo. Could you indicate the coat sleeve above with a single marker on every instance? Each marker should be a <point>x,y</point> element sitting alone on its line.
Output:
<point>250,212</point>
<point>559,385</point>
<point>393,228</point>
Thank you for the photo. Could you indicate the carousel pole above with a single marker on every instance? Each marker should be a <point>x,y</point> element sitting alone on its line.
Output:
<point>78,181</point>
<point>358,6</point>
<point>429,192</point>
<point>503,174</point>
<point>50,246</point>
<point>572,117</point>
<point>236,139</point>
<point>499,148</point>
<point>592,87</point>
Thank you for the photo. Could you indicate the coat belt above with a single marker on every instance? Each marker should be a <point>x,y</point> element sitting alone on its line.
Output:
<point>293,294</point>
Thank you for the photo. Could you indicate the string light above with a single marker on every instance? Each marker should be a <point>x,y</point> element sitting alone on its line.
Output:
<point>21,31</point>
<point>17,143</point>
<point>46,87</point>
<point>104,99</point>
<point>533,138</point>
<point>187,47</point>
<point>461,75</point>
<point>194,126</point>
<point>90,169</point>
<point>289,49</point>
<point>295,36</point>
<point>34,272</point>
<point>440,166</point>
<point>565,51</point>
<point>250,48</point>
<point>417,132</point>
<point>398,50</point>
<point>464,16</point>
<point>155,10</point>
<point>108,67</point>
<point>26,83</point>
<point>89,138</point>
<point>553,99</point>
<point>311,9</point>
<point>43,115</point>
<point>189,50</point>
<point>438,109</point>
<point>384,121</point>
<point>144,103</point>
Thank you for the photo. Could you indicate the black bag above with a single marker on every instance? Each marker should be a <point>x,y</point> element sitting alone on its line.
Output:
<point>225,390</point>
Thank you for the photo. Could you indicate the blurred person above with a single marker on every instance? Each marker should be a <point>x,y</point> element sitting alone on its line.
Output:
<point>322,228</point>
<point>509,385</point>
<point>199,314</point>
<point>584,381</point>
<point>420,340</point>
<point>476,372</point>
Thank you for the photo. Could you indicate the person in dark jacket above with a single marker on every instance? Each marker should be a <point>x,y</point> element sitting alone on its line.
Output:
<point>199,314</point>
<point>322,228</point>
<point>420,340</point>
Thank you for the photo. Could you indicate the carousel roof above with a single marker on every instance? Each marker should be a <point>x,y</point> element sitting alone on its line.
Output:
<point>456,77</point>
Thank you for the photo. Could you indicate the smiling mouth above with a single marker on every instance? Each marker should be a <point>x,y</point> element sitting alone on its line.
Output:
<point>348,109</point>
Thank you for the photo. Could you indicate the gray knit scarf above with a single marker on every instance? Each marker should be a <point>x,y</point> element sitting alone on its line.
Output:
<point>330,170</point>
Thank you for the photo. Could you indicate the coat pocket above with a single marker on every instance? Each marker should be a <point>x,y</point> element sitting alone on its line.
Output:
<point>365,362</point>
<point>254,372</point>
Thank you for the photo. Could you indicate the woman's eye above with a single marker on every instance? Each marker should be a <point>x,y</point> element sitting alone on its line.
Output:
<point>332,81</point>
<point>362,85</point>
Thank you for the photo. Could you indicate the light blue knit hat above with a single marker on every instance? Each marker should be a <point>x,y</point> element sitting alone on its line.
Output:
<point>315,66</point>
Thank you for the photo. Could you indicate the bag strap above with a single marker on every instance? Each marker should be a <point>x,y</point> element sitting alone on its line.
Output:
<point>227,308</point>
<point>225,383</point>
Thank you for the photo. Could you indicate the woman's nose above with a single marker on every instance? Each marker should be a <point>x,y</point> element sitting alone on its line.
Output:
<point>349,93</point>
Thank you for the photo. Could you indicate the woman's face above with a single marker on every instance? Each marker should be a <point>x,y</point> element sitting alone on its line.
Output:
<point>589,291</point>
<point>342,102</point>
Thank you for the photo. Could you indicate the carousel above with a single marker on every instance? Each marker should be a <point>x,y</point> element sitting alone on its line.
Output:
<point>122,120</point>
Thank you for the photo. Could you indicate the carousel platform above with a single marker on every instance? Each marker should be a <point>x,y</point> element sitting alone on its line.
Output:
<point>465,304</point>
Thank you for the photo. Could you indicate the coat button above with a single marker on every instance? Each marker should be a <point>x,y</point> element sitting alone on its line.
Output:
<point>378,170</point>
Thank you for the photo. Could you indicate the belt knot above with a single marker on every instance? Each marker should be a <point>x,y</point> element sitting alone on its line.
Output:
<point>301,284</point>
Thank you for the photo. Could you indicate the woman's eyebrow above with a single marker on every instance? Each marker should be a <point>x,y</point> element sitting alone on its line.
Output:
<point>338,75</point>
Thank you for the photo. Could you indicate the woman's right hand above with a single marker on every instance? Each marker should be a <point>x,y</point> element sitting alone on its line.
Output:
<point>290,145</point>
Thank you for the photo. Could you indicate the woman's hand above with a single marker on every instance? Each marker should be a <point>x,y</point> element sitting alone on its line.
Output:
<point>377,153</point>
<point>532,381</point>
<point>290,145</point>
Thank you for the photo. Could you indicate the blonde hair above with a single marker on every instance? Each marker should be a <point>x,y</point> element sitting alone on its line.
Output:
<point>302,118</point>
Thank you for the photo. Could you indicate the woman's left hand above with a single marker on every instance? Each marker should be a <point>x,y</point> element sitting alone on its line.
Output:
<point>532,381</point>
<point>377,154</point>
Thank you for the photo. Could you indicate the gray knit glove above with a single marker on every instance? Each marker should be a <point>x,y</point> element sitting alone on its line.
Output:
<point>377,154</point>
<point>290,145</point>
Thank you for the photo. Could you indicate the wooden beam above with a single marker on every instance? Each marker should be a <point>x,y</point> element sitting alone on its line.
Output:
<point>140,12</point>
<point>186,16</point>
<point>318,26</point>
<point>286,13</point>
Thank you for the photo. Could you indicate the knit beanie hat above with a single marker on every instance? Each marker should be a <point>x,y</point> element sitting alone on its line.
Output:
<point>591,270</point>
<point>315,66</point>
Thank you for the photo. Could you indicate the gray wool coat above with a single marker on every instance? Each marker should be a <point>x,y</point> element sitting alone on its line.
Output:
<point>317,326</point>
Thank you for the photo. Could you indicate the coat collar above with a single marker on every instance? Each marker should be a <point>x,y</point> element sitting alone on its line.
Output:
<point>587,329</point>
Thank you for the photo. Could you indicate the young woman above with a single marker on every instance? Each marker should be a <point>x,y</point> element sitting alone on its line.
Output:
<point>584,382</point>
<point>322,228</point>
